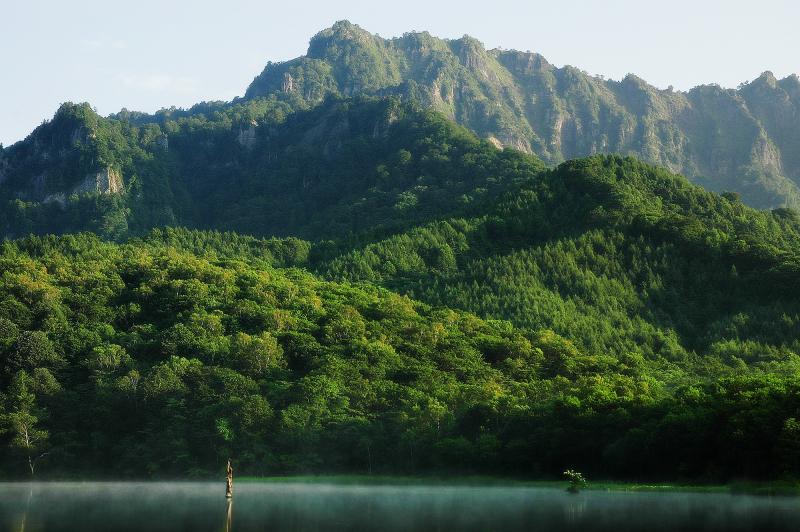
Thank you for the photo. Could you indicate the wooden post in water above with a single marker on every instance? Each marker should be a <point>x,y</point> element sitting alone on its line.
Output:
<point>229,487</point>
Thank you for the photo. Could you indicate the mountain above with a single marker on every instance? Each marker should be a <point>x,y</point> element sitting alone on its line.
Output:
<point>617,256</point>
<point>351,280</point>
<point>166,355</point>
<point>742,140</point>
<point>345,166</point>
<point>453,307</point>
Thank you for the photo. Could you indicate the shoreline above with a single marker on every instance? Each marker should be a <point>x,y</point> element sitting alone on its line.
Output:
<point>765,488</point>
<point>743,487</point>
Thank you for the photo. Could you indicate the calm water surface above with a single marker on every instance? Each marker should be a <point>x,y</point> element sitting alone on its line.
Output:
<point>320,506</point>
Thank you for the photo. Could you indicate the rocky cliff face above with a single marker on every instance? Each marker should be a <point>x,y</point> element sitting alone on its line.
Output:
<point>61,158</point>
<point>247,137</point>
<point>745,140</point>
<point>106,181</point>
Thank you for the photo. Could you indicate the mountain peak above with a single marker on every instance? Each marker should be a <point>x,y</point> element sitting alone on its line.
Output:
<point>471,42</point>
<point>72,123</point>
<point>345,25</point>
<point>342,30</point>
<point>768,78</point>
<point>77,112</point>
<point>791,84</point>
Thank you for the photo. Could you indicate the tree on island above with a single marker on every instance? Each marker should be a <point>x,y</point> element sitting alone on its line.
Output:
<point>576,480</point>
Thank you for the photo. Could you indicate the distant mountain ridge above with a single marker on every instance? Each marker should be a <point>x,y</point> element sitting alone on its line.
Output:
<point>745,140</point>
<point>211,166</point>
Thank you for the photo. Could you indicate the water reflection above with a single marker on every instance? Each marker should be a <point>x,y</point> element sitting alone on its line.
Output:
<point>229,514</point>
<point>573,508</point>
<point>21,520</point>
<point>299,506</point>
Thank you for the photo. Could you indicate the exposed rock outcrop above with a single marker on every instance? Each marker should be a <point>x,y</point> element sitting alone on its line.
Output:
<point>288,83</point>
<point>105,181</point>
<point>247,137</point>
<point>58,197</point>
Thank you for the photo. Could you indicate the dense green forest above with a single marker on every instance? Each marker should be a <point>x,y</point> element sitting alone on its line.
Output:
<point>616,255</point>
<point>364,286</point>
<point>143,359</point>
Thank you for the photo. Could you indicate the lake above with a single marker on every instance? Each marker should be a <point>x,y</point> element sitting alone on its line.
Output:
<point>111,506</point>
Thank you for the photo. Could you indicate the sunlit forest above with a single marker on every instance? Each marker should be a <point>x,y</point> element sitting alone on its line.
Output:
<point>370,288</point>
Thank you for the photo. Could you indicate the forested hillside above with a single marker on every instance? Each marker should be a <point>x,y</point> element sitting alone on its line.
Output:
<point>360,284</point>
<point>345,167</point>
<point>619,256</point>
<point>142,359</point>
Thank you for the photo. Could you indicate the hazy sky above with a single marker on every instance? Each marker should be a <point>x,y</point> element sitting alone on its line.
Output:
<point>148,54</point>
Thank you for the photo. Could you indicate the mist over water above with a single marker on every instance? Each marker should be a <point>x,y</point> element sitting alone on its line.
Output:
<point>322,506</point>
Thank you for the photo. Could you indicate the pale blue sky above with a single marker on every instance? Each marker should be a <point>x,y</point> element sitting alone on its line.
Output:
<point>148,54</point>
